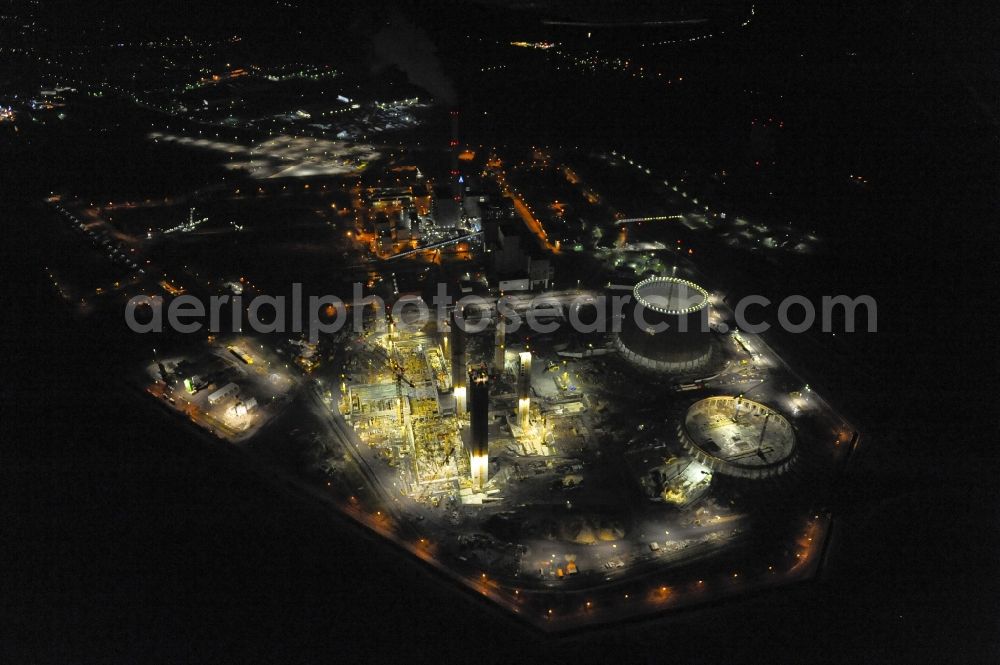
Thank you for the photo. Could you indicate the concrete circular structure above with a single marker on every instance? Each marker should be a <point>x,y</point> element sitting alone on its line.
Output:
<point>738,437</point>
<point>670,295</point>
<point>665,325</point>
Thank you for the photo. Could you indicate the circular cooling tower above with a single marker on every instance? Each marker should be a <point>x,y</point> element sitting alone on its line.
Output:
<point>665,325</point>
<point>738,437</point>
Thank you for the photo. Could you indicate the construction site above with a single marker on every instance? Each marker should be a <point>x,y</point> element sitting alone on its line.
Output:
<point>401,404</point>
<point>419,401</point>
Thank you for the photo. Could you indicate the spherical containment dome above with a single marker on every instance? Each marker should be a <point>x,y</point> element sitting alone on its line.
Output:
<point>665,325</point>
<point>738,437</point>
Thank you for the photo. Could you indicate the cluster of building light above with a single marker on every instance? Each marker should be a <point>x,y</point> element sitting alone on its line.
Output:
<point>800,243</point>
<point>287,155</point>
<point>595,62</point>
<point>703,36</point>
<point>311,72</point>
<point>538,45</point>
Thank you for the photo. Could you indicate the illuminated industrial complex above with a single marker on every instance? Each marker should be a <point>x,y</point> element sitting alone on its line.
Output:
<point>573,476</point>
<point>572,461</point>
<point>514,331</point>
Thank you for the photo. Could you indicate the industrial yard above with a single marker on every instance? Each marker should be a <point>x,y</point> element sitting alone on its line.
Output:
<point>229,389</point>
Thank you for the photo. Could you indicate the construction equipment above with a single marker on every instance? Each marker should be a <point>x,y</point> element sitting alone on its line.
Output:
<point>397,371</point>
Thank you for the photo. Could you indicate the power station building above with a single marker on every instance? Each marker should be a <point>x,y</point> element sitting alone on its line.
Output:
<point>665,325</point>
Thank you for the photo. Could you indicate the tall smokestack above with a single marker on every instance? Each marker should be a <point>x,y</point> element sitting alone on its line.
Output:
<point>524,388</point>
<point>499,341</point>
<point>479,416</point>
<point>458,363</point>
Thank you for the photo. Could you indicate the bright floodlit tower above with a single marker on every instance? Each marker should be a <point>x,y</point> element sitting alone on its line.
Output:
<point>479,416</point>
<point>524,388</point>
<point>458,366</point>
<point>665,326</point>
<point>499,342</point>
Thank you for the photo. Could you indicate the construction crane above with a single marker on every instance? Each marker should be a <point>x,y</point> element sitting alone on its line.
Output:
<point>760,443</point>
<point>397,371</point>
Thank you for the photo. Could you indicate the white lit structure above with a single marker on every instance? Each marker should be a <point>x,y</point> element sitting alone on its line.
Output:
<point>524,388</point>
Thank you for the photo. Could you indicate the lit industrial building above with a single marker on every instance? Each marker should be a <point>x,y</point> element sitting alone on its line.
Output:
<point>665,325</point>
<point>228,390</point>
